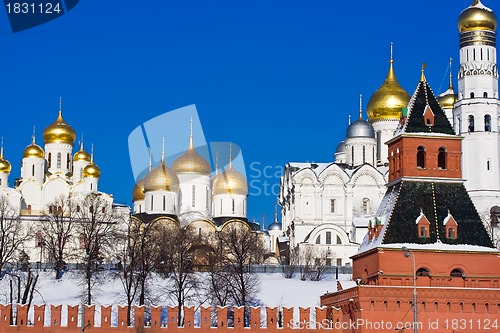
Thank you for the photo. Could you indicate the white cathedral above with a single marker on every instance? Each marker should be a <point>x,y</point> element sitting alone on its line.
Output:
<point>328,206</point>
<point>48,174</point>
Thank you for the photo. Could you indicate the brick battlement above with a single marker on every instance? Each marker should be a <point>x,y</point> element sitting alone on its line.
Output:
<point>164,319</point>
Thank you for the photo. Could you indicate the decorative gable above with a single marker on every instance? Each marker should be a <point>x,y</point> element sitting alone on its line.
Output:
<point>428,116</point>
<point>451,227</point>
<point>423,225</point>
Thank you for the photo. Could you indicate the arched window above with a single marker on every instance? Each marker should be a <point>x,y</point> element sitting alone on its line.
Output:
<point>352,155</point>
<point>339,241</point>
<point>328,237</point>
<point>487,123</point>
<point>364,154</point>
<point>423,272</point>
<point>485,95</point>
<point>68,161</point>
<point>471,123</point>
<point>471,95</point>
<point>49,160</point>
<point>164,203</point>
<point>451,233</point>
<point>456,272</point>
<point>318,239</point>
<point>421,157</point>
<point>193,198</point>
<point>423,232</point>
<point>58,160</point>
<point>151,202</point>
<point>33,170</point>
<point>332,205</point>
<point>442,158</point>
<point>91,187</point>
<point>366,206</point>
<point>233,205</point>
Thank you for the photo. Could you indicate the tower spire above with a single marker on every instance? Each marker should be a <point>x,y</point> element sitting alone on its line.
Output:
<point>191,134</point>
<point>33,140</point>
<point>349,120</point>
<point>216,163</point>
<point>163,150</point>
<point>92,154</point>
<point>230,154</point>
<point>150,160</point>
<point>360,106</point>
<point>276,211</point>
<point>60,105</point>
<point>1,149</point>
<point>391,60</point>
<point>81,143</point>
<point>451,74</point>
<point>422,75</point>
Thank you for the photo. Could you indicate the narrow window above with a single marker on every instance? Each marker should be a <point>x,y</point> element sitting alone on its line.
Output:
<point>423,232</point>
<point>49,160</point>
<point>328,261</point>
<point>328,237</point>
<point>488,165</point>
<point>58,160</point>
<point>332,205</point>
<point>339,241</point>
<point>366,206</point>
<point>221,206</point>
<point>481,54</point>
<point>471,123</point>
<point>318,239</point>
<point>33,170</point>
<point>164,203</point>
<point>364,154</point>
<point>29,208</point>
<point>442,158</point>
<point>471,95</point>
<point>193,198</point>
<point>485,95</point>
<point>467,54</point>
<point>451,233</point>
<point>421,157</point>
<point>379,146</point>
<point>233,205</point>
<point>339,262</point>
<point>91,187</point>
<point>487,123</point>
<point>68,161</point>
<point>352,150</point>
<point>473,54</point>
<point>151,202</point>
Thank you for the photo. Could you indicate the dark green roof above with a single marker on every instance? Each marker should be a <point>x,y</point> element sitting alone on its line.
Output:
<point>434,199</point>
<point>422,97</point>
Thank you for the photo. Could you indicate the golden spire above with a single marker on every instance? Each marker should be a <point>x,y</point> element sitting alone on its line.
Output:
<point>451,75</point>
<point>1,150</point>
<point>191,133</point>
<point>216,163</point>
<point>150,160</point>
<point>92,154</point>
<point>81,143</point>
<point>33,140</point>
<point>360,106</point>
<point>163,150</point>
<point>422,75</point>
<point>391,61</point>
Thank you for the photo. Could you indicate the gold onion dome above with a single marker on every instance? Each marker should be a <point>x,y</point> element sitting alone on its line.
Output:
<point>81,155</point>
<point>59,132</point>
<point>33,150</point>
<point>448,98</point>
<point>230,181</point>
<point>477,17</point>
<point>5,166</point>
<point>386,103</point>
<point>161,178</point>
<point>138,191</point>
<point>91,171</point>
<point>191,161</point>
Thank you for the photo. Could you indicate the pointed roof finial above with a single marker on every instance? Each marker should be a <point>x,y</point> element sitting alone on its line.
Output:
<point>216,163</point>
<point>1,149</point>
<point>163,150</point>
<point>422,76</point>
<point>349,119</point>
<point>150,160</point>
<point>276,211</point>
<point>451,74</point>
<point>92,154</point>
<point>81,143</point>
<point>191,134</point>
<point>360,106</point>
<point>33,140</point>
<point>60,105</point>
<point>230,154</point>
<point>391,60</point>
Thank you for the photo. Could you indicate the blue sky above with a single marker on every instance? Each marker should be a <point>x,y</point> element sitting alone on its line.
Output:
<point>277,77</point>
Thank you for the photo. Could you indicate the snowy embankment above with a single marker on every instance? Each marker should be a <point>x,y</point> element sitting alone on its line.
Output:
<point>275,290</point>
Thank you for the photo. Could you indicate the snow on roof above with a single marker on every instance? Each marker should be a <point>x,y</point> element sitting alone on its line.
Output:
<point>347,284</point>
<point>360,222</point>
<point>440,247</point>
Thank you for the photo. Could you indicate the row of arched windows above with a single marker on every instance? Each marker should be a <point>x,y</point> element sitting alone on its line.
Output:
<point>421,158</point>
<point>59,160</point>
<point>487,123</point>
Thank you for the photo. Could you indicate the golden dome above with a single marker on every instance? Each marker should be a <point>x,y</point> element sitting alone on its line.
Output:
<point>386,103</point>
<point>230,181</point>
<point>81,155</point>
<point>477,17</point>
<point>59,132</point>
<point>161,178</point>
<point>91,171</point>
<point>5,166</point>
<point>34,150</point>
<point>191,161</point>
<point>138,191</point>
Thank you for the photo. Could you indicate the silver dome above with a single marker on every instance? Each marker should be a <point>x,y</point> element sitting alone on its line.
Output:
<point>340,148</point>
<point>274,226</point>
<point>360,129</point>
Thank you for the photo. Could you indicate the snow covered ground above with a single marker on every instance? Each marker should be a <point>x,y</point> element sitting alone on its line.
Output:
<point>275,290</point>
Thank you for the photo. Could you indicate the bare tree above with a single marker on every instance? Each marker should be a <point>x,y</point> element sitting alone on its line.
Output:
<point>241,248</point>
<point>57,231</point>
<point>176,262</point>
<point>98,227</point>
<point>318,270</point>
<point>306,259</point>
<point>12,233</point>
